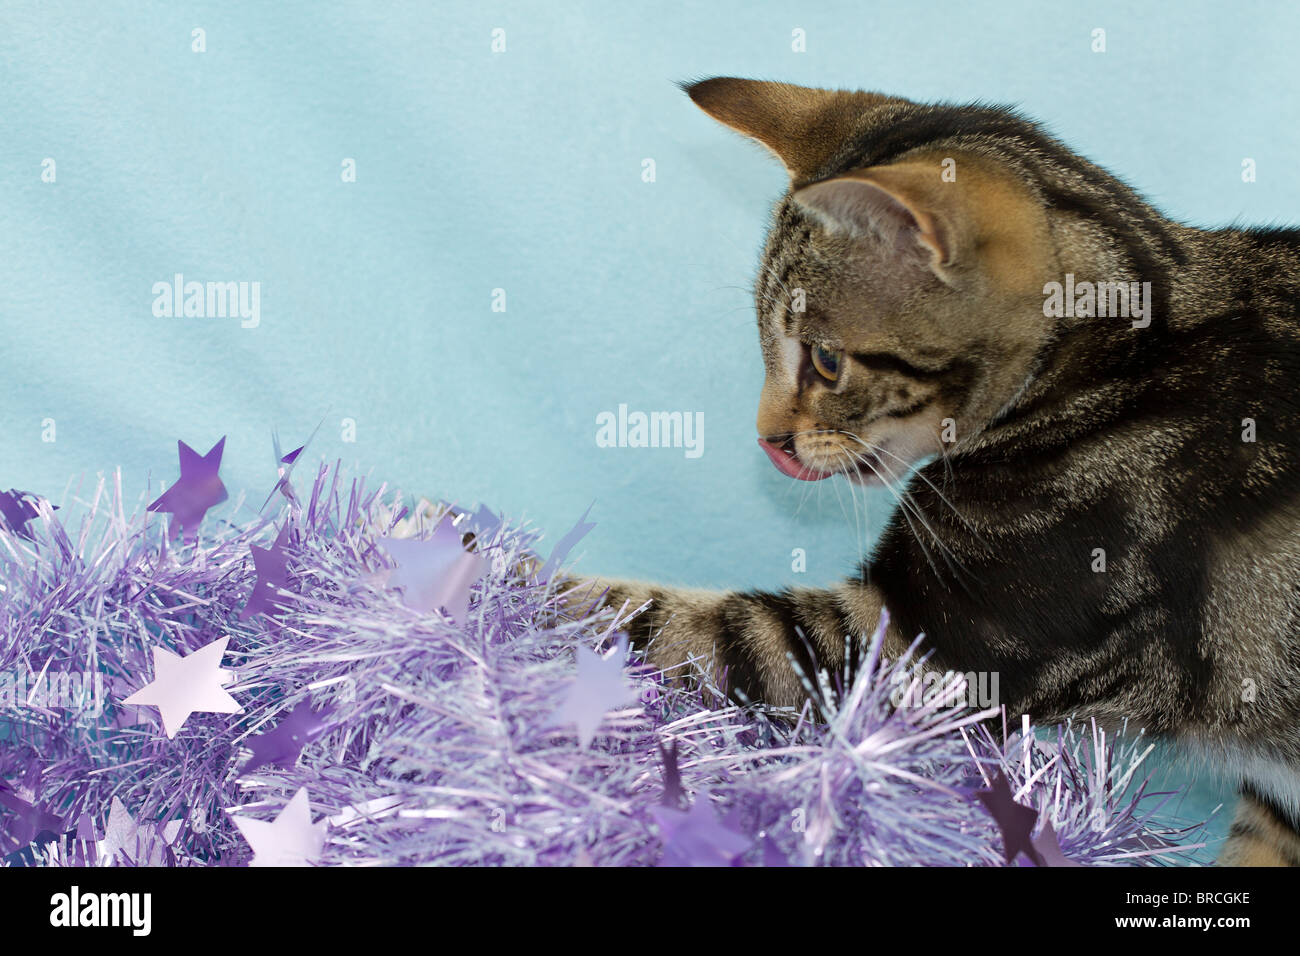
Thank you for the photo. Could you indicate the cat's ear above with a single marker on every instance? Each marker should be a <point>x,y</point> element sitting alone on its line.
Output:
<point>908,207</point>
<point>802,126</point>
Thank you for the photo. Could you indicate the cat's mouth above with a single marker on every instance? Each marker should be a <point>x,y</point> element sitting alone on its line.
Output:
<point>787,462</point>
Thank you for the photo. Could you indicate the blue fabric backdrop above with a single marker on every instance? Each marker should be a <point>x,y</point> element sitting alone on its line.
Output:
<point>522,171</point>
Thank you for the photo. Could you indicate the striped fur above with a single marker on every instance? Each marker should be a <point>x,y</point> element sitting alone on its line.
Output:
<point>1261,834</point>
<point>1071,434</point>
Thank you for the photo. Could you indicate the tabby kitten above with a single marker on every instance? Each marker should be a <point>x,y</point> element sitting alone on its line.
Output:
<point>1111,519</point>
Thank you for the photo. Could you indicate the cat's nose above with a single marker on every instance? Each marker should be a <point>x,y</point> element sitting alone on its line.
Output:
<point>780,441</point>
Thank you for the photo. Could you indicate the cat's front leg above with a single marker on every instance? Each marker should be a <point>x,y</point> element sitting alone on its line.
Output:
<point>1263,834</point>
<point>744,640</point>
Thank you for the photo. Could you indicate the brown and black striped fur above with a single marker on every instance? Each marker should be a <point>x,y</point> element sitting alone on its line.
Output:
<point>1068,435</point>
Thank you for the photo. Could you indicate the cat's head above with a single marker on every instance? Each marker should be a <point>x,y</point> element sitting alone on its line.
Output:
<point>900,301</point>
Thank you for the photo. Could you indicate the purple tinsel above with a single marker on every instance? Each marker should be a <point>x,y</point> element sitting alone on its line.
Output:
<point>426,740</point>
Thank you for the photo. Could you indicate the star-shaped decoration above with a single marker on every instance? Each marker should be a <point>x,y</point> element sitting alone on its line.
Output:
<point>184,685</point>
<point>1049,849</point>
<point>80,847</point>
<point>436,572</point>
<point>143,844</point>
<point>485,522</point>
<point>564,546</point>
<point>198,489</point>
<point>272,566</point>
<point>35,853</point>
<point>1015,820</point>
<point>16,510</point>
<point>772,855</point>
<point>284,469</point>
<point>21,820</point>
<point>600,686</point>
<point>282,745</point>
<point>697,838</point>
<point>291,839</point>
<point>284,465</point>
<point>86,828</point>
<point>674,796</point>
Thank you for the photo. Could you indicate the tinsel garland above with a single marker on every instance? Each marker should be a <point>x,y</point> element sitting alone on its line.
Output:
<point>424,737</point>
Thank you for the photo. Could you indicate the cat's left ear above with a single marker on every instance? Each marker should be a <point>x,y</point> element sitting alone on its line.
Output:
<point>922,218</point>
<point>802,126</point>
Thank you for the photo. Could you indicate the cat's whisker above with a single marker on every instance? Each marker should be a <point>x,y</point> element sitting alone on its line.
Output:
<point>905,508</point>
<point>857,517</point>
<point>806,491</point>
<point>879,450</point>
<point>917,520</point>
<point>911,507</point>
<point>955,564</point>
<point>861,520</point>
<point>771,271</point>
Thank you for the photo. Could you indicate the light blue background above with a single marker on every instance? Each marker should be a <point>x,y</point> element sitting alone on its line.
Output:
<point>522,171</point>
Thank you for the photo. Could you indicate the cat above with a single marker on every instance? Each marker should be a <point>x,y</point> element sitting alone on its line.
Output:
<point>1109,518</point>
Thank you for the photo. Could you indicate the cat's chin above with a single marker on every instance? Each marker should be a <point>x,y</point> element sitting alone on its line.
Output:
<point>865,477</point>
<point>869,470</point>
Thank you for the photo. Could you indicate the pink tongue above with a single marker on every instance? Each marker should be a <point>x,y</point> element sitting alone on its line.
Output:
<point>787,464</point>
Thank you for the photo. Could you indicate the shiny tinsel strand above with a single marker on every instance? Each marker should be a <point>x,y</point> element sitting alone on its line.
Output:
<point>438,746</point>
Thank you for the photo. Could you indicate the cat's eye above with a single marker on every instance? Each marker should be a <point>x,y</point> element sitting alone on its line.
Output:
<point>826,362</point>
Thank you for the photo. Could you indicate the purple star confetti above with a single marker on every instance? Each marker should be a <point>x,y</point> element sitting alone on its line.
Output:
<point>697,837</point>
<point>198,489</point>
<point>1015,820</point>
<point>772,855</point>
<point>284,744</point>
<point>185,685</point>
<point>291,839</point>
<point>436,572</point>
<point>1049,848</point>
<point>673,795</point>
<point>485,522</point>
<point>564,546</point>
<point>144,844</point>
<point>16,509</point>
<point>21,820</point>
<point>272,566</point>
<point>600,686</point>
<point>284,465</point>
